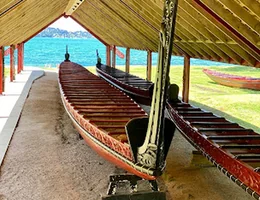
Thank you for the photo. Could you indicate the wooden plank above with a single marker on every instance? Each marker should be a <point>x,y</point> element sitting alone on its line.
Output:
<point>127,63</point>
<point>2,70</point>
<point>12,63</point>
<point>149,66</point>
<point>186,80</point>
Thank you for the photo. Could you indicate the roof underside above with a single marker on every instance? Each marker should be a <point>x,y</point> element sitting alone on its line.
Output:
<point>220,30</point>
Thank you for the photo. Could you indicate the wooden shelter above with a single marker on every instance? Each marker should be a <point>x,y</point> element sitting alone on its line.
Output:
<point>219,30</point>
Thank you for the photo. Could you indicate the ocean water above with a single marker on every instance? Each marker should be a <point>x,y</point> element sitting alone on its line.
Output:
<point>49,52</point>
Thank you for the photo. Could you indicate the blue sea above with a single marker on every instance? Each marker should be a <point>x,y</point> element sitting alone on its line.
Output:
<point>49,52</point>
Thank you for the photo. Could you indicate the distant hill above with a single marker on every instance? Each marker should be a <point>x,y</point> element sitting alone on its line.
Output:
<point>58,33</point>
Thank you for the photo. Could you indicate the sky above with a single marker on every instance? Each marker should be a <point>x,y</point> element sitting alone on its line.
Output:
<point>67,24</point>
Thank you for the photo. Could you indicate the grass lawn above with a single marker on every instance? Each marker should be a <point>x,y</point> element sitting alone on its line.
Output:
<point>238,105</point>
<point>7,71</point>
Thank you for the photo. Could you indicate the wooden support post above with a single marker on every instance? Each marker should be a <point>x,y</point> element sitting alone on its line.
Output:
<point>149,65</point>
<point>2,70</point>
<point>108,57</point>
<point>22,56</point>
<point>12,63</point>
<point>127,60</point>
<point>186,79</point>
<point>114,57</point>
<point>19,57</point>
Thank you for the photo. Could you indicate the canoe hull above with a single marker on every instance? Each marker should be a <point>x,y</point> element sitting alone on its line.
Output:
<point>233,81</point>
<point>140,95</point>
<point>238,171</point>
<point>119,153</point>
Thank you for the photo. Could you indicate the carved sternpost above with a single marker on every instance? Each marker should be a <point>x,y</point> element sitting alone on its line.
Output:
<point>151,153</point>
<point>67,55</point>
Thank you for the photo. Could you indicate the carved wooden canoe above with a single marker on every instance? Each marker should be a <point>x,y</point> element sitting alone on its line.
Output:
<point>234,150</point>
<point>100,112</point>
<point>139,89</point>
<point>233,80</point>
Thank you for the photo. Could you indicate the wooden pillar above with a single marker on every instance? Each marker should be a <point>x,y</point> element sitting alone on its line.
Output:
<point>186,79</point>
<point>127,60</point>
<point>12,63</point>
<point>22,56</point>
<point>108,53</point>
<point>19,57</point>
<point>149,65</point>
<point>2,70</point>
<point>114,57</point>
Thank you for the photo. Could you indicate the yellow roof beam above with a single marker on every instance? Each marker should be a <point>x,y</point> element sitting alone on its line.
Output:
<point>72,6</point>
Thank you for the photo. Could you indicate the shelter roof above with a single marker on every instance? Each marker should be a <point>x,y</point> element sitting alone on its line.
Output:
<point>220,30</point>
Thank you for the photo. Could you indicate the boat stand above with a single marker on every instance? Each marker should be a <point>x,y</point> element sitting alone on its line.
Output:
<point>127,186</point>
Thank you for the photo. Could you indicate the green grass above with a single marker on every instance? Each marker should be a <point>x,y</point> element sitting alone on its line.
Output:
<point>7,71</point>
<point>238,105</point>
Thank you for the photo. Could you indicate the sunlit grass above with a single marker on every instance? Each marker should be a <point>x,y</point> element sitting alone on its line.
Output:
<point>6,71</point>
<point>238,105</point>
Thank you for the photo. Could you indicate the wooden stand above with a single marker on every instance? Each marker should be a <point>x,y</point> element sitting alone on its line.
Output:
<point>125,187</point>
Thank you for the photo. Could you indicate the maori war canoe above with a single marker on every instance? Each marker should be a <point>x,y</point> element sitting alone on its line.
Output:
<point>112,123</point>
<point>233,80</point>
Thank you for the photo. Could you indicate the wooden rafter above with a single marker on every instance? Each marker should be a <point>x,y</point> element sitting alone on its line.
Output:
<point>7,5</point>
<point>230,22</point>
<point>72,6</point>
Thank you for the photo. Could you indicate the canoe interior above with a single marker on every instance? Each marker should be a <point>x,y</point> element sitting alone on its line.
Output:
<point>139,89</point>
<point>100,112</point>
<point>231,148</point>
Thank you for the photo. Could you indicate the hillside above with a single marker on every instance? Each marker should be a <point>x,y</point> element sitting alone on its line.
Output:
<point>58,33</point>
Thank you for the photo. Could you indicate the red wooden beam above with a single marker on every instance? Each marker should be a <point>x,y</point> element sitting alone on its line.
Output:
<point>22,58</point>
<point>127,60</point>
<point>149,66</point>
<point>2,67</point>
<point>227,26</point>
<point>91,32</point>
<point>42,29</point>
<point>19,55</point>
<point>12,63</point>
<point>108,55</point>
<point>186,80</point>
<point>114,56</point>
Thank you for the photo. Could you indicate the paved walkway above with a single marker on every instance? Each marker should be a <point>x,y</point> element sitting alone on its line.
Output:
<point>11,104</point>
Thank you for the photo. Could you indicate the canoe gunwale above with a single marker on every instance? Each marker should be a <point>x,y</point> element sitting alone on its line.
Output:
<point>239,172</point>
<point>139,94</point>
